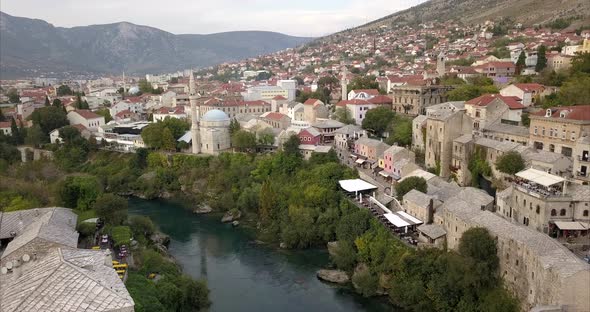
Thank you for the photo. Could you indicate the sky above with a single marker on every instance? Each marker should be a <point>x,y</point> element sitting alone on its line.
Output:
<point>293,17</point>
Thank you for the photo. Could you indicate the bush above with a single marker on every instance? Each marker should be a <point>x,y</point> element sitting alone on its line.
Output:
<point>112,209</point>
<point>510,163</point>
<point>86,229</point>
<point>121,235</point>
<point>411,183</point>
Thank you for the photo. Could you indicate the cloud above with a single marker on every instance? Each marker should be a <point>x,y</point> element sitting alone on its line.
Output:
<point>303,17</point>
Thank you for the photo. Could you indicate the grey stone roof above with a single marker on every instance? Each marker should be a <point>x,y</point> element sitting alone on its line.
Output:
<point>55,225</point>
<point>578,192</point>
<point>372,143</point>
<point>475,196</point>
<point>433,231</point>
<point>441,189</point>
<point>584,140</point>
<point>328,123</point>
<point>420,119</point>
<point>508,129</point>
<point>464,138</point>
<point>504,146</point>
<point>65,280</point>
<point>418,198</point>
<point>349,129</point>
<point>16,221</point>
<point>542,156</point>
<point>550,253</point>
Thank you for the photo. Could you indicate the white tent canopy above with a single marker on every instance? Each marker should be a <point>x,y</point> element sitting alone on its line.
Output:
<point>572,226</point>
<point>540,177</point>
<point>409,217</point>
<point>396,220</point>
<point>356,185</point>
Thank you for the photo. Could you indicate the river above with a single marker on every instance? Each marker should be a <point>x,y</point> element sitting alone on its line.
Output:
<point>242,275</point>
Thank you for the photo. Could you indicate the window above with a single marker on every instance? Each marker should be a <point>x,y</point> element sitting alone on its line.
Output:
<point>562,212</point>
<point>543,131</point>
<point>585,214</point>
<point>553,212</point>
<point>538,210</point>
<point>535,131</point>
<point>524,202</point>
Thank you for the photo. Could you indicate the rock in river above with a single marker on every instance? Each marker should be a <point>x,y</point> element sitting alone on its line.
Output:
<point>231,216</point>
<point>333,276</point>
<point>203,209</point>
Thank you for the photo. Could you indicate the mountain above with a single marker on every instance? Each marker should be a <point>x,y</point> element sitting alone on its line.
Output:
<point>29,47</point>
<point>527,12</point>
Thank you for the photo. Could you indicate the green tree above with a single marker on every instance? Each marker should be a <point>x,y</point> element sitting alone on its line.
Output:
<point>9,153</point>
<point>168,142</point>
<point>266,137</point>
<point>145,86</point>
<point>541,58</point>
<point>400,131</point>
<point>575,91</point>
<point>104,112</point>
<point>510,163</point>
<point>581,63</point>
<point>13,96</point>
<point>49,118</point>
<point>112,209</point>
<point>377,120</point>
<point>79,192</point>
<point>468,92</point>
<point>363,82</point>
<point>344,115</point>
<point>34,136</point>
<point>525,120</point>
<point>329,82</point>
<point>479,245</point>
<point>57,103</point>
<point>345,256</point>
<point>267,202</point>
<point>64,90</point>
<point>243,140</point>
<point>521,63</point>
<point>234,126</point>
<point>411,183</point>
<point>291,146</point>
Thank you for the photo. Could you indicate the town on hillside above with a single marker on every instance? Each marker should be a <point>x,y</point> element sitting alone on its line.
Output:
<point>449,127</point>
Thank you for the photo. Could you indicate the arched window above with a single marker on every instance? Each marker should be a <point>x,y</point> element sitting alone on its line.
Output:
<point>562,212</point>
<point>553,212</point>
<point>585,213</point>
<point>538,209</point>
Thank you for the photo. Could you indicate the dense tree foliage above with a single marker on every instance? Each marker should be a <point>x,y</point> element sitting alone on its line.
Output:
<point>363,82</point>
<point>79,192</point>
<point>111,208</point>
<point>243,140</point>
<point>400,131</point>
<point>64,90</point>
<point>344,115</point>
<point>541,58</point>
<point>510,163</point>
<point>411,183</point>
<point>163,134</point>
<point>377,120</point>
<point>49,118</point>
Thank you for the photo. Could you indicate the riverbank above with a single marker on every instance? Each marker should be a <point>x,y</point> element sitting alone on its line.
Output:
<point>244,275</point>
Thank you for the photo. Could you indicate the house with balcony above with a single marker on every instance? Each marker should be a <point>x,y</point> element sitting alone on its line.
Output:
<point>582,160</point>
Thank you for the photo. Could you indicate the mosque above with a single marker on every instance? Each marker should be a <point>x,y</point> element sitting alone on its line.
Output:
<point>210,134</point>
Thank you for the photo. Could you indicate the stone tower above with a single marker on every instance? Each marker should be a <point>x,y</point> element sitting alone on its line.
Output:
<point>344,84</point>
<point>195,134</point>
<point>440,64</point>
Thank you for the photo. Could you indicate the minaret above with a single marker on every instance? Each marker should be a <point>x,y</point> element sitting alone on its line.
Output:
<point>124,86</point>
<point>343,84</point>
<point>192,97</point>
<point>440,64</point>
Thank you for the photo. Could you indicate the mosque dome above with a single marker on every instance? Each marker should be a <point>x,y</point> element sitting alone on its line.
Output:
<point>133,90</point>
<point>215,115</point>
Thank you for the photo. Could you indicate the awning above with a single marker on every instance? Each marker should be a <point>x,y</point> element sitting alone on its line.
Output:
<point>572,226</point>
<point>360,161</point>
<point>396,220</point>
<point>384,174</point>
<point>409,217</point>
<point>540,177</point>
<point>356,185</point>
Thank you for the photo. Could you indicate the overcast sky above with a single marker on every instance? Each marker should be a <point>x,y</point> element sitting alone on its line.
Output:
<point>299,17</point>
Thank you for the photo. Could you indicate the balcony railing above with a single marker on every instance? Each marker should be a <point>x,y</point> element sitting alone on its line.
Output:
<point>581,158</point>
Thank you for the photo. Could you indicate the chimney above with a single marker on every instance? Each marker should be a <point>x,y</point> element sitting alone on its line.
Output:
<point>430,212</point>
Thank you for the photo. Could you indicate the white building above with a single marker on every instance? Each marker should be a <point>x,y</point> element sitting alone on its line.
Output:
<point>86,118</point>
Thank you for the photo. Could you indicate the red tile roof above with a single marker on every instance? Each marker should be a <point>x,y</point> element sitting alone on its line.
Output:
<point>275,116</point>
<point>374,92</point>
<point>381,99</point>
<point>310,101</point>
<point>279,98</point>
<point>86,114</point>
<point>529,87</point>
<point>512,102</point>
<point>578,112</point>
<point>353,102</point>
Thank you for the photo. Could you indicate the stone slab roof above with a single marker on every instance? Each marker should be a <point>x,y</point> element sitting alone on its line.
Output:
<point>508,129</point>
<point>65,280</point>
<point>418,198</point>
<point>55,225</point>
<point>433,231</point>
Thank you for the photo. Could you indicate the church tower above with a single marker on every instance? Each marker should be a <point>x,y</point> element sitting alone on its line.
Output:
<point>344,83</point>
<point>440,64</point>
<point>195,134</point>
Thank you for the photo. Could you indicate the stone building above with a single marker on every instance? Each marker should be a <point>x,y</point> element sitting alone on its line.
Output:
<point>413,100</point>
<point>557,129</point>
<point>41,269</point>
<point>214,131</point>
<point>492,109</point>
<point>582,159</point>
<point>537,269</point>
<point>345,137</point>
<point>442,127</point>
<point>538,200</point>
<point>419,132</point>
